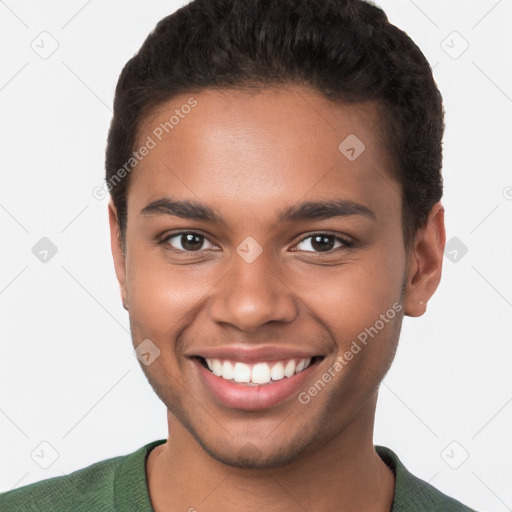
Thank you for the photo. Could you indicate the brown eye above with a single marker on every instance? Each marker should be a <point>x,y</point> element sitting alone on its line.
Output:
<point>322,242</point>
<point>189,241</point>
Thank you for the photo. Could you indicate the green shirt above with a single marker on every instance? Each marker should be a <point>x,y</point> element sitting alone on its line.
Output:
<point>119,484</point>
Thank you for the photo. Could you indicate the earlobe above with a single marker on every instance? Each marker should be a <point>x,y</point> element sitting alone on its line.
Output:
<point>117,252</point>
<point>425,262</point>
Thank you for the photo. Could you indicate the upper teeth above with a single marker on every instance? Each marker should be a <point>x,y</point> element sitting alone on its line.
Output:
<point>259,373</point>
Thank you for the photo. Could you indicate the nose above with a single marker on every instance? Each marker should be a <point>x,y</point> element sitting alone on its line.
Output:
<point>252,295</point>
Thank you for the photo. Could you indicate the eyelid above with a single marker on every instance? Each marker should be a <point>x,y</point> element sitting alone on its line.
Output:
<point>165,238</point>
<point>345,241</point>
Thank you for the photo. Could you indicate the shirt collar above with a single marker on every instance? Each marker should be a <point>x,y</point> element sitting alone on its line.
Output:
<point>131,489</point>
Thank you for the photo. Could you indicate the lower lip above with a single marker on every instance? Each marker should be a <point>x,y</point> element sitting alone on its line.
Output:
<point>252,398</point>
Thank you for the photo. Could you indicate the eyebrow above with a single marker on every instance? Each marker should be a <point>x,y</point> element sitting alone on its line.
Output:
<point>309,210</point>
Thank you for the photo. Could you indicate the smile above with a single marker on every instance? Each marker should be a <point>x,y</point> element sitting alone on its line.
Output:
<point>257,374</point>
<point>257,383</point>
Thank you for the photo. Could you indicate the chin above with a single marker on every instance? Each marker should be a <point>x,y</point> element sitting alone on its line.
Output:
<point>246,454</point>
<point>249,456</point>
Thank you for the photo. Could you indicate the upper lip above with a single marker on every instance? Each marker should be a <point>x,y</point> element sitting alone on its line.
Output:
<point>248,355</point>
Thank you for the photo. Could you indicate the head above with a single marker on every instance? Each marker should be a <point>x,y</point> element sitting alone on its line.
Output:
<point>265,122</point>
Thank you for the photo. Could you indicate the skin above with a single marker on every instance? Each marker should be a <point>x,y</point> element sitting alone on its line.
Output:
<point>248,156</point>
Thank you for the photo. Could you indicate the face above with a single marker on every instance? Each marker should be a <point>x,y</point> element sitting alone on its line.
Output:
<point>259,255</point>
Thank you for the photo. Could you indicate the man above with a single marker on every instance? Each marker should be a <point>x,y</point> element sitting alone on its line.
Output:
<point>274,168</point>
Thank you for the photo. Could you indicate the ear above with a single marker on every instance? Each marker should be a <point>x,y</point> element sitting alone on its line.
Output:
<point>117,252</point>
<point>425,261</point>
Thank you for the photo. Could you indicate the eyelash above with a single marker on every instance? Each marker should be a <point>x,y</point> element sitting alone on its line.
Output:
<point>346,244</point>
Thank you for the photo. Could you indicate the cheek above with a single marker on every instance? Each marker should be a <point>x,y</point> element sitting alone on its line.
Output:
<point>352,296</point>
<point>161,295</point>
<point>373,289</point>
<point>373,311</point>
<point>360,304</point>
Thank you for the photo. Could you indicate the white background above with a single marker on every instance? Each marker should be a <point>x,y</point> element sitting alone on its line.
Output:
<point>67,372</point>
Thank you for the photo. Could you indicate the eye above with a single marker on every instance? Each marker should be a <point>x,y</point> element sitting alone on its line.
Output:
<point>189,241</point>
<point>323,242</point>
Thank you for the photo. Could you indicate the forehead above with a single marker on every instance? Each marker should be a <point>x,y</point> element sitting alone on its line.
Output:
<point>261,146</point>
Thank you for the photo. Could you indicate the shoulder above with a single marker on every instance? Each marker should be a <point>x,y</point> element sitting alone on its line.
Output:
<point>90,488</point>
<point>414,494</point>
<point>64,492</point>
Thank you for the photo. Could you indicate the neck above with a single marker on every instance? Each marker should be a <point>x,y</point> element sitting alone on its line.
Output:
<point>183,476</point>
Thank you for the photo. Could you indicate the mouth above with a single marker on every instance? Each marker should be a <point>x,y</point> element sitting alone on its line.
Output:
<point>255,385</point>
<point>262,373</point>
